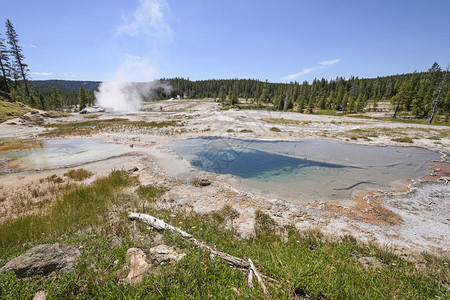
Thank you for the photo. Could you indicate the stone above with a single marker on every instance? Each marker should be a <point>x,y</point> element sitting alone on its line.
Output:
<point>91,110</point>
<point>201,182</point>
<point>134,169</point>
<point>40,295</point>
<point>135,259</point>
<point>43,260</point>
<point>369,261</point>
<point>33,112</point>
<point>165,254</point>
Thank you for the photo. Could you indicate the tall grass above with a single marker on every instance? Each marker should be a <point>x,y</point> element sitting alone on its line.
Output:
<point>79,208</point>
<point>303,262</point>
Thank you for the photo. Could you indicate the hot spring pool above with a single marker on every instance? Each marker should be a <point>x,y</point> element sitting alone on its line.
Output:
<point>310,170</point>
<point>54,153</point>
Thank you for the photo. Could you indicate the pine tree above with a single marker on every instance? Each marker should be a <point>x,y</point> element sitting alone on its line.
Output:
<point>4,66</point>
<point>82,98</point>
<point>56,99</point>
<point>16,51</point>
<point>222,94</point>
<point>42,104</point>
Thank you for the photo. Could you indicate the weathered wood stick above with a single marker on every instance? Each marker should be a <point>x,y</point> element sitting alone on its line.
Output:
<point>157,223</point>
<point>161,225</point>
<point>258,276</point>
<point>250,278</point>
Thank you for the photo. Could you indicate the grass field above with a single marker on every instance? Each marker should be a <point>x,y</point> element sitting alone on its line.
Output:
<point>303,262</point>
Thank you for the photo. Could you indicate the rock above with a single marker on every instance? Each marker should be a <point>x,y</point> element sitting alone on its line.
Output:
<point>201,182</point>
<point>33,112</point>
<point>91,110</point>
<point>135,259</point>
<point>43,260</point>
<point>134,169</point>
<point>162,254</point>
<point>369,261</point>
<point>40,295</point>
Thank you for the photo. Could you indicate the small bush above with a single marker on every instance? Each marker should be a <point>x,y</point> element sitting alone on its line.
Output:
<point>79,174</point>
<point>275,129</point>
<point>149,191</point>
<point>246,131</point>
<point>55,179</point>
<point>403,140</point>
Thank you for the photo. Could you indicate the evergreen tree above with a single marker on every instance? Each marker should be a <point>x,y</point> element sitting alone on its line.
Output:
<point>82,98</point>
<point>42,104</point>
<point>56,99</point>
<point>4,66</point>
<point>32,101</point>
<point>222,94</point>
<point>16,51</point>
<point>403,96</point>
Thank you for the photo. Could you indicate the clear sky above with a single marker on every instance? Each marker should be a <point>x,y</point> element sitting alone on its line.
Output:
<point>281,41</point>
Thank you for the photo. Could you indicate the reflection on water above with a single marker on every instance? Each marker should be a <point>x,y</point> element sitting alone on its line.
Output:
<point>311,170</point>
<point>45,154</point>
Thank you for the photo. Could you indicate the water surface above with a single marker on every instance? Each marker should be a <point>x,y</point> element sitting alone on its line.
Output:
<point>54,153</point>
<point>308,170</point>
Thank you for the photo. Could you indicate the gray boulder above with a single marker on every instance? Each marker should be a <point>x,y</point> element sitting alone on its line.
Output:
<point>43,260</point>
<point>91,110</point>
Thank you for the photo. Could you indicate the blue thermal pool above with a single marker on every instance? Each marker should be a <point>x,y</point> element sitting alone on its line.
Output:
<point>307,170</point>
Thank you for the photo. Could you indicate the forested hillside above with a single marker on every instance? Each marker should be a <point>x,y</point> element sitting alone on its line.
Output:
<point>412,92</point>
<point>66,85</point>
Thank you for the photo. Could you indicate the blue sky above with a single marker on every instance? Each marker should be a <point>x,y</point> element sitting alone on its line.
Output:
<point>281,41</point>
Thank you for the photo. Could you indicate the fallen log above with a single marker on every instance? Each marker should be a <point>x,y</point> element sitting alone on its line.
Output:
<point>242,263</point>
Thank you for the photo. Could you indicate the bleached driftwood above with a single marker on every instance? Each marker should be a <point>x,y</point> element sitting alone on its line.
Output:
<point>242,263</point>
<point>258,276</point>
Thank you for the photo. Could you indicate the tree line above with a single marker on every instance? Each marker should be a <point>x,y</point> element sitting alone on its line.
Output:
<point>15,83</point>
<point>413,93</point>
<point>419,94</point>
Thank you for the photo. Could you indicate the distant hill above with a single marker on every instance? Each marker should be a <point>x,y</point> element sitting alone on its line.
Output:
<point>66,85</point>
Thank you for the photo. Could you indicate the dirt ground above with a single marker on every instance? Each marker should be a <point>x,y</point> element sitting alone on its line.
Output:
<point>408,220</point>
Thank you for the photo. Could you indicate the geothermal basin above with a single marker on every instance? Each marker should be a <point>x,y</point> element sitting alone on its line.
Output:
<point>18,155</point>
<point>305,171</point>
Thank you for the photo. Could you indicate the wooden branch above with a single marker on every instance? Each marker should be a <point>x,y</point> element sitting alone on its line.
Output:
<point>157,223</point>
<point>258,276</point>
<point>250,278</point>
<point>233,260</point>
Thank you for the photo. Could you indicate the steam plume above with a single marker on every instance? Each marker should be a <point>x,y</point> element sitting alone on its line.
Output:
<point>120,94</point>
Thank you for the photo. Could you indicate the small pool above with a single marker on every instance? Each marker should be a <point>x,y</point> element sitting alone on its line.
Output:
<point>54,153</point>
<point>308,170</point>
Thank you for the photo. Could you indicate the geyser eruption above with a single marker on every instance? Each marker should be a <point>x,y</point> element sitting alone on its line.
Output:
<point>123,96</point>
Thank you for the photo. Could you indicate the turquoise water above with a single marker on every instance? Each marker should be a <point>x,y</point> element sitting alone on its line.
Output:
<point>311,169</point>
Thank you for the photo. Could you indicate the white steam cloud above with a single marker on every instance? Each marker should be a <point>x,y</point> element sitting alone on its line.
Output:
<point>122,96</point>
<point>123,93</point>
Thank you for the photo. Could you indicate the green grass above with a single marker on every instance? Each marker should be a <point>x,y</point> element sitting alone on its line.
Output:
<point>11,110</point>
<point>275,129</point>
<point>403,140</point>
<point>281,121</point>
<point>436,121</point>
<point>302,261</point>
<point>149,192</point>
<point>79,208</point>
<point>246,131</point>
<point>95,126</point>
<point>55,114</point>
<point>79,174</point>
